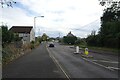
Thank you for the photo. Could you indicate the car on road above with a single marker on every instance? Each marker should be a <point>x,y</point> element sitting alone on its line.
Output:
<point>51,45</point>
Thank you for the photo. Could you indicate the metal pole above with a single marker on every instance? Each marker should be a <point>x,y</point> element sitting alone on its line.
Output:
<point>35,22</point>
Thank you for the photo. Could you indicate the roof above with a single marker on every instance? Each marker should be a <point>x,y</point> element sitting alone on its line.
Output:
<point>21,29</point>
<point>70,34</point>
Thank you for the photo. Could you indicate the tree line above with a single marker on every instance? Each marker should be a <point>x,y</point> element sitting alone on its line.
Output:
<point>109,33</point>
<point>8,36</point>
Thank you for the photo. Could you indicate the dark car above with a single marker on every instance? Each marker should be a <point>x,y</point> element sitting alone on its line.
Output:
<point>51,45</point>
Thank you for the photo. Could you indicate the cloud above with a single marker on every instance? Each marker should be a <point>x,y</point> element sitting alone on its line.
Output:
<point>58,20</point>
<point>15,16</point>
<point>60,15</point>
<point>27,10</point>
<point>85,30</point>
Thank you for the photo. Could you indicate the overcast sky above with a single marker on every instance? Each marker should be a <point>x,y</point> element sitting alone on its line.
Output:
<point>60,16</point>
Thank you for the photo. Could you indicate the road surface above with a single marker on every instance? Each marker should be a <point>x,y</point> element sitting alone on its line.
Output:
<point>76,66</point>
<point>36,64</point>
<point>61,62</point>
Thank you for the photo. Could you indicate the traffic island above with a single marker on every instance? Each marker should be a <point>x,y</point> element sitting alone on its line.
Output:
<point>87,56</point>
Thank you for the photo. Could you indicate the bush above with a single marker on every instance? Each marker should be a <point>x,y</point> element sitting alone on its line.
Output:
<point>69,39</point>
<point>9,53</point>
<point>26,46</point>
<point>32,45</point>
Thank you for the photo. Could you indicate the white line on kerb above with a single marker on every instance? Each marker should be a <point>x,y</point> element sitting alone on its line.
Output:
<point>99,64</point>
<point>105,61</point>
<point>55,60</point>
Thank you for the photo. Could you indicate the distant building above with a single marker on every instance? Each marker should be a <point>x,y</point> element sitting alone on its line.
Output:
<point>26,33</point>
<point>70,34</point>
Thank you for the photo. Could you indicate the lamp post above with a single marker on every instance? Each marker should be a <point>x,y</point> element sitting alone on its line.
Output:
<point>35,21</point>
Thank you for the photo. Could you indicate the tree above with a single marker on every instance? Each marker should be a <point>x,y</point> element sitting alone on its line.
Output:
<point>109,33</point>
<point>81,42</point>
<point>8,3</point>
<point>112,10</point>
<point>0,37</point>
<point>0,33</point>
<point>110,22</point>
<point>69,39</point>
<point>39,39</point>
<point>107,3</point>
<point>44,37</point>
<point>16,37</point>
<point>91,39</point>
<point>7,36</point>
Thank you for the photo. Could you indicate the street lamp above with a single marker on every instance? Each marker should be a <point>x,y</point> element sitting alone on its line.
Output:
<point>35,21</point>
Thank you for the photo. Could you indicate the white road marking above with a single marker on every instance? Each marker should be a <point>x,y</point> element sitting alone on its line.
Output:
<point>106,61</point>
<point>113,68</point>
<point>55,60</point>
<point>98,64</point>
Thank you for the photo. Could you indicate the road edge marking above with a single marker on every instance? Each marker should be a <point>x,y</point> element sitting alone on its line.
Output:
<point>98,64</point>
<point>106,61</point>
<point>113,68</point>
<point>58,64</point>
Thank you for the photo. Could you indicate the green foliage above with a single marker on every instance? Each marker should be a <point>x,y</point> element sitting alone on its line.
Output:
<point>69,39</point>
<point>60,40</point>
<point>110,27</point>
<point>8,3</point>
<point>52,39</point>
<point>39,39</point>
<point>93,40</point>
<point>81,42</point>
<point>44,37</point>
<point>109,2</point>
<point>7,36</point>
<point>109,34</point>
<point>16,37</point>
<point>9,53</point>
<point>0,31</point>
<point>111,14</point>
<point>32,42</point>
<point>77,42</point>
<point>0,36</point>
<point>32,46</point>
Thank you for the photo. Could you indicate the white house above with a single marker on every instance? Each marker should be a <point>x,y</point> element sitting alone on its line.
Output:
<point>26,33</point>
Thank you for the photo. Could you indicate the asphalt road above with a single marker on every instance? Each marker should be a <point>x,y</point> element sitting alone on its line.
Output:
<point>36,64</point>
<point>61,62</point>
<point>77,66</point>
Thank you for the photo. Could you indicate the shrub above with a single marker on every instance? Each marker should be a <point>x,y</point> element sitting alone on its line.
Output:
<point>32,45</point>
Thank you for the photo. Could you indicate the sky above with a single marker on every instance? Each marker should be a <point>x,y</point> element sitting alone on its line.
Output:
<point>60,16</point>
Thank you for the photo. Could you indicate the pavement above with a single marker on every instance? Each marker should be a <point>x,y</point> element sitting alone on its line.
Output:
<point>36,64</point>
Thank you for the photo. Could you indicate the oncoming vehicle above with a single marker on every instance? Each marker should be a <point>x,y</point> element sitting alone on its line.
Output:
<point>51,45</point>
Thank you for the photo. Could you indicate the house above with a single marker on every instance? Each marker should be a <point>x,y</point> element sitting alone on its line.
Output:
<point>26,33</point>
<point>70,34</point>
